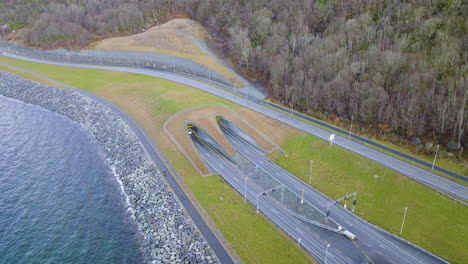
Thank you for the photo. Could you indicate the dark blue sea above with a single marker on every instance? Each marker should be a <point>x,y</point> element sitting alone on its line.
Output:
<point>59,201</point>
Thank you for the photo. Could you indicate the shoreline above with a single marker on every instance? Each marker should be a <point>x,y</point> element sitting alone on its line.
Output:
<point>169,235</point>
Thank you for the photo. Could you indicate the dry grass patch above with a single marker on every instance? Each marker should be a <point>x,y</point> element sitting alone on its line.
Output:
<point>170,39</point>
<point>276,131</point>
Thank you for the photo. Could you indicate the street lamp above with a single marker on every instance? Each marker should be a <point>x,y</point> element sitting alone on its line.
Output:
<point>257,201</point>
<point>326,253</point>
<point>292,109</point>
<point>173,64</point>
<point>302,196</point>
<point>245,191</point>
<point>352,117</point>
<point>310,172</point>
<point>282,193</point>
<point>435,157</point>
<point>404,217</point>
<point>246,90</point>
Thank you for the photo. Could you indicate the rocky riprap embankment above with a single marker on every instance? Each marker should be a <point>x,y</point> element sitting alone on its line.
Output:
<point>169,235</point>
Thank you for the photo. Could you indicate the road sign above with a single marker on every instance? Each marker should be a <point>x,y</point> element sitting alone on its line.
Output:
<point>332,137</point>
<point>257,166</point>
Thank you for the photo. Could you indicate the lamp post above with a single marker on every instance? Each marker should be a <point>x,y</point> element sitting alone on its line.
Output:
<point>173,64</point>
<point>326,253</point>
<point>292,109</point>
<point>404,217</point>
<point>435,157</point>
<point>282,193</point>
<point>349,136</point>
<point>310,172</point>
<point>257,200</point>
<point>245,191</point>
<point>246,90</point>
<point>302,196</point>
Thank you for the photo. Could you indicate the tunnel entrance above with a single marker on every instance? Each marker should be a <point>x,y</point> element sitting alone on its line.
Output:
<point>204,142</point>
<point>231,130</point>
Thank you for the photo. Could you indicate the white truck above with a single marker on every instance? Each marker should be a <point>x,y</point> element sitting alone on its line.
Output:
<point>347,233</point>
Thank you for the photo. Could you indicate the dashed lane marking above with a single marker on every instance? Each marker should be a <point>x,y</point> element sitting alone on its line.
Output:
<point>356,244</point>
<point>368,257</point>
<point>317,235</point>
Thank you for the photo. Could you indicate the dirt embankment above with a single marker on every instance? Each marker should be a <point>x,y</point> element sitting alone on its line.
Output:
<point>173,39</point>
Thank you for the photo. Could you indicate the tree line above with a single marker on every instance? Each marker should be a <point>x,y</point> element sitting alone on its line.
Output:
<point>394,63</point>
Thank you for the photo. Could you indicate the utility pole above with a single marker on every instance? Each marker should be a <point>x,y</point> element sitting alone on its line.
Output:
<point>352,117</point>
<point>310,172</point>
<point>404,217</point>
<point>435,157</point>
<point>245,191</point>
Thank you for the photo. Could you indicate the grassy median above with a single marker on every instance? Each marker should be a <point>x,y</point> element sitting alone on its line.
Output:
<point>433,221</point>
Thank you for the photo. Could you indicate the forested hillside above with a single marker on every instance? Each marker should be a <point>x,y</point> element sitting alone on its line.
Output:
<point>398,65</point>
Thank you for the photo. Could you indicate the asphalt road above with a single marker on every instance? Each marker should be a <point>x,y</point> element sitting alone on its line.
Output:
<point>375,244</point>
<point>315,245</point>
<point>432,180</point>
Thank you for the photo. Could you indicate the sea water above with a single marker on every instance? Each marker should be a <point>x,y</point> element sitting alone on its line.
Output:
<point>59,201</point>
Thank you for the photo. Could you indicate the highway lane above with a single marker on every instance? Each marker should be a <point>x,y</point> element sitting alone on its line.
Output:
<point>394,250</point>
<point>297,230</point>
<point>430,179</point>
